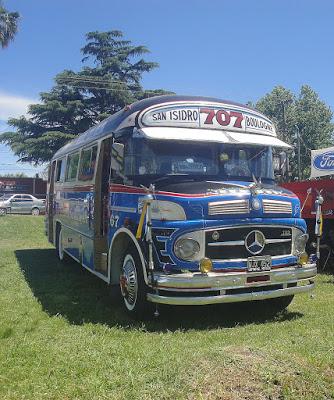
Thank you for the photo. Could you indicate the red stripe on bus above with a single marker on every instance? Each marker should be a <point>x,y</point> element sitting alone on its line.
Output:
<point>116,188</point>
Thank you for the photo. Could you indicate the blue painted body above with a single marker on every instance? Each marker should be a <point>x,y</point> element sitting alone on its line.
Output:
<point>75,209</point>
<point>196,209</point>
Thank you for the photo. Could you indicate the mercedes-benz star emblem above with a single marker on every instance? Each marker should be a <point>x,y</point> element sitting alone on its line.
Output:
<point>255,242</point>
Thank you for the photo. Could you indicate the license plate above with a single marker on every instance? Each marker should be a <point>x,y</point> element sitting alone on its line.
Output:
<point>258,264</point>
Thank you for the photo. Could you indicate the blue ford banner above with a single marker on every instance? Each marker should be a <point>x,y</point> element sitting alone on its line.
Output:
<point>322,162</point>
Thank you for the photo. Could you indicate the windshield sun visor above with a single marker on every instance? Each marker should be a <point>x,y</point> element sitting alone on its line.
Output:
<point>205,135</point>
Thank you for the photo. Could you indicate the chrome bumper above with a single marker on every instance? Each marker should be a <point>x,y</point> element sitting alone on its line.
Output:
<point>194,285</point>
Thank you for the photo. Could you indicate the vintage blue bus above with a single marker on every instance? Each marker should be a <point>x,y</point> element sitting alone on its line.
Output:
<point>173,199</point>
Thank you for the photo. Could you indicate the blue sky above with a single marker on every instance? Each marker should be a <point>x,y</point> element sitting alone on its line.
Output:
<point>237,50</point>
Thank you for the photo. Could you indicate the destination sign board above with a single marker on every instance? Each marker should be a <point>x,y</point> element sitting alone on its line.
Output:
<point>208,116</point>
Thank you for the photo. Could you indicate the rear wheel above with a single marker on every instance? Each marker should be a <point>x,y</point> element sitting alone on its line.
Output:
<point>132,284</point>
<point>59,244</point>
<point>35,211</point>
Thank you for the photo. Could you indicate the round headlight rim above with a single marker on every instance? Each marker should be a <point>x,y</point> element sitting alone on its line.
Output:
<point>299,248</point>
<point>183,239</point>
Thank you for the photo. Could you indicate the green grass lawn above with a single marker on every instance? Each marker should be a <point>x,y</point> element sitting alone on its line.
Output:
<point>63,335</point>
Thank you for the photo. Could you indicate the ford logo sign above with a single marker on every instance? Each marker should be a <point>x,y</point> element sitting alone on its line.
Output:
<point>324,161</point>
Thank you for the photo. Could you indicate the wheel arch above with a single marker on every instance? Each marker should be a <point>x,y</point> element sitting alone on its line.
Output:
<point>121,240</point>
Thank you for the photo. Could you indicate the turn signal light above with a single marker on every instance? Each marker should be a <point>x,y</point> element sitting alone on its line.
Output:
<point>205,265</point>
<point>303,259</point>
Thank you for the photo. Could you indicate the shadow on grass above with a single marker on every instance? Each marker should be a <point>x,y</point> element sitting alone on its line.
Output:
<point>68,290</point>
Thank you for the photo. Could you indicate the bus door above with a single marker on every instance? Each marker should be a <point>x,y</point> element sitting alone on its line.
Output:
<point>101,208</point>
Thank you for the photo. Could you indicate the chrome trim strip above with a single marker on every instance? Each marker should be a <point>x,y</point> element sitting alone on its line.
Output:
<point>125,209</point>
<point>251,226</point>
<point>230,298</point>
<point>228,243</point>
<point>242,242</point>
<point>269,241</point>
<point>194,281</point>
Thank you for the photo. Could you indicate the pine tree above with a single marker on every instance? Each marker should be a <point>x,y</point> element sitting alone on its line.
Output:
<point>109,80</point>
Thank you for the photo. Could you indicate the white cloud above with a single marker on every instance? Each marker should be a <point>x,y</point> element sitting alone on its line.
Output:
<point>13,105</point>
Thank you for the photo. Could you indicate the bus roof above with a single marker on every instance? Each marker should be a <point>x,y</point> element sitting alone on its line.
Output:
<point>177,111</point>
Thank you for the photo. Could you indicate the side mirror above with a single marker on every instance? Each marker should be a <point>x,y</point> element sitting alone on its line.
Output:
<point>277,164</point>
<point>280,164</point>
<point>117,157</point>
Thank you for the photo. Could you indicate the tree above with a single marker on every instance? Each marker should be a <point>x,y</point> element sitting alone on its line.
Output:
<point>8,26</point>
<point>109,80</point>
<point>304,117</point>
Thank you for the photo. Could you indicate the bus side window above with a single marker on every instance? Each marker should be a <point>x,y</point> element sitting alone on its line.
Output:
<point>60,170</point>
<point>87,164</point>
<point>72,167</point>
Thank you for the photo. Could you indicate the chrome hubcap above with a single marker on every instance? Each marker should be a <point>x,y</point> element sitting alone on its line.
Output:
<point>128,282</point>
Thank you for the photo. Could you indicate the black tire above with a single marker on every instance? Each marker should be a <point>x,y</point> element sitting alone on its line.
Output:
<point>279,303</point>
<point>35,211</point>
<point>132,285</point>
<point>3,211</point>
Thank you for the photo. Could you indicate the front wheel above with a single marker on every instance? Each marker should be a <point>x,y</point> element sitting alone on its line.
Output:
<point>3,211</point>
<point>132,284</point>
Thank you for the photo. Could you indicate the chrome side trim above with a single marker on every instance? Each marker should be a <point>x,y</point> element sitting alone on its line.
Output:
<point>125,209</point>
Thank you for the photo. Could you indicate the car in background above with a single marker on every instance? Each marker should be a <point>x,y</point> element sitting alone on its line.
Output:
<point>21,204</point>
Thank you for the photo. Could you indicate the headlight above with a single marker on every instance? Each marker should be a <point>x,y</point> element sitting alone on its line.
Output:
<point>186,249</point>
<point>300,244</point>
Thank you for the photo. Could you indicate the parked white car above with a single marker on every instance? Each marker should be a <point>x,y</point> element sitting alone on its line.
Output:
<point>21,204</point>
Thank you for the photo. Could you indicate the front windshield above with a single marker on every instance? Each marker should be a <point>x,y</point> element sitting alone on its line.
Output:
<point>150,160</point>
